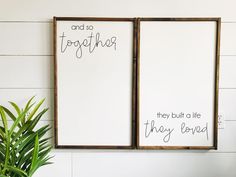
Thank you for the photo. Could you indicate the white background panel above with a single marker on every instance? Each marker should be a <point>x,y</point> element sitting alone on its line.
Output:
<point>228,72</point>
<point>228,39</point>
<point>227,137</point>
<point>154,164</point>
<point>44,9</point>
<point>227,102</point>
<point>26,38</point>
<point>26,72</point>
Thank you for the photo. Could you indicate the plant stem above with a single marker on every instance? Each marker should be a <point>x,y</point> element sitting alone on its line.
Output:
<point>7,155</point>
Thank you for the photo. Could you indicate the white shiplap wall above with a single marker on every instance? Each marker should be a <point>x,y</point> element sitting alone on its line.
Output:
<point>26,69</point>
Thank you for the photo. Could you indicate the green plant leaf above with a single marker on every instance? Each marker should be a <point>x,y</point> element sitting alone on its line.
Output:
<point>35,109</point>
<point>23,148</point>
<point>35,153</point>
<point>3,176</point>
<point>18,119</point>
<point>26,107</point>
<point>7,140</point>
<point>2,132</point>
<point>14,105</point>
<point>4,120</point>
<point>9,113</point>
<point>36,119</point>
<point>28,103</point>
<point>17,170</point>
<point>20,131</point>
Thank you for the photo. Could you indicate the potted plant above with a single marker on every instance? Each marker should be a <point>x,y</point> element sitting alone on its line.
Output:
<point>23,147</point>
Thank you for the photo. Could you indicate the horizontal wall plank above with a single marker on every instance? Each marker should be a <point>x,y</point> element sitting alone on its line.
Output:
<point>21,96</point>
<point>228,39</point>
<point>152,164</point>
<point>42,10</point>
<point>228,72</point>
<point>26,72</point>
<point>227,102</point>
<point>227,137</point>
<point>26,38</point>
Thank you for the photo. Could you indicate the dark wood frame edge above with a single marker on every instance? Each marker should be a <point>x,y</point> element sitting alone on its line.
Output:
<point>216,87</point>
<point>217,70</point>
<point>109,19</point>
<point>207,19</point>
<point>55,83</point>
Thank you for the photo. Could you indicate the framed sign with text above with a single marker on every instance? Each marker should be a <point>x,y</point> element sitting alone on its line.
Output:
<point>178,72</point>
<point>94,82</point>
<point>145,83</point>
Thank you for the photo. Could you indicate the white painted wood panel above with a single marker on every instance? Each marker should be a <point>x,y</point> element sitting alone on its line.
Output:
<point>21,96</point>
<point>44,9</point>
<point>227,102</point>
<point>228,38</point>
<point>228,72</point>
<point>154,164</point>
<point>26,38</point>
<point>227,137</point>
<point>26,72</point>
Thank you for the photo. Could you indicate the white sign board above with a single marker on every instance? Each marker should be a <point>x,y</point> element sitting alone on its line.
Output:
<point>178,80</point>
<point>93,80</point>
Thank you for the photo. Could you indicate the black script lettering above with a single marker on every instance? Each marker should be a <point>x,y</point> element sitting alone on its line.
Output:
<point>91,42</point>
<point>152,128</point>
<point>77,27</point>
<point>194,130</point>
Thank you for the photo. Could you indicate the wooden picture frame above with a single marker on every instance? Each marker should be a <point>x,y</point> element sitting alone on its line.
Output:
<point>167,93</point>
<point>150,47</point>
<point>111,101</point>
